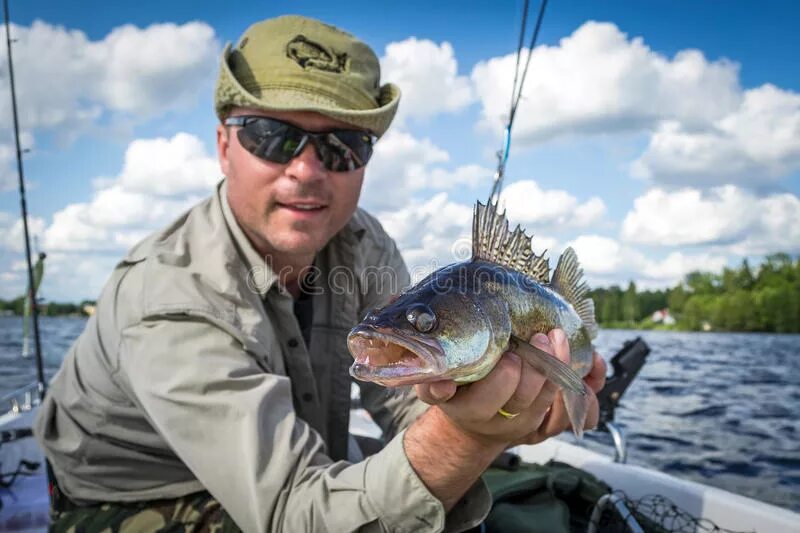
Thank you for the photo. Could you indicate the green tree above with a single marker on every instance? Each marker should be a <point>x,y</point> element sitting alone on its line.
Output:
<point>697,312</point>
<point>736,311</point>
<point>779,307</point>
<point>676,298</point>
<point>702,283</point>
<point>630,304</point>
<point>611,308</point>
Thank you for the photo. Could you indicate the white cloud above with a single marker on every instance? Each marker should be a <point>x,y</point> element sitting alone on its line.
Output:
<point>160,179</point>
<point>599,255</point>
<point>438,231</point>
<point>12,235</point>
<point>404,164</point>
<point>73,277</point>
<point>427,75</point>
<point>755,143</point>
<point>8,160</point>
<point>65,80</point>
<point>430,234</point>
<point>725,216</point>
<point>598,80</point>
<point>528,204</point>
<point>706,130</point>
<point>676,265</point>
<point>168,167</point>
<point>606,262</point>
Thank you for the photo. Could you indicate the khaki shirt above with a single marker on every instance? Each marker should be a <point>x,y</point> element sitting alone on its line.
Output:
<point>193,375</point>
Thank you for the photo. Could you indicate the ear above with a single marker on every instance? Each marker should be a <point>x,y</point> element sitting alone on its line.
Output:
<point>223,144</point>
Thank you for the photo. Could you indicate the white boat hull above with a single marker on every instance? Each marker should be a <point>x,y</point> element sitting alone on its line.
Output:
<point>26,504</point>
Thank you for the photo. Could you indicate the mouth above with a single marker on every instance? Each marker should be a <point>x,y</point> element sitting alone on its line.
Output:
<point>304,207</point>
<point>383,356</point>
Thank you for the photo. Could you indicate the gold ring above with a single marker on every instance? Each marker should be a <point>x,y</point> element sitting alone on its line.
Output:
<point>506,414</point>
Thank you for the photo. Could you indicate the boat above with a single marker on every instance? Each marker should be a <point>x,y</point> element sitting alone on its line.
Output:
<point>24,497</point>
<point>696,502</point>
<point>24,503</point>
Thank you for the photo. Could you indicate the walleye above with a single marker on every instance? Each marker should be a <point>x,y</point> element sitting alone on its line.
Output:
<point>457,322</point>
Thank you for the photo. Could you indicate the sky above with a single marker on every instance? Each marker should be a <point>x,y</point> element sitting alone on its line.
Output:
<point>655,138</point>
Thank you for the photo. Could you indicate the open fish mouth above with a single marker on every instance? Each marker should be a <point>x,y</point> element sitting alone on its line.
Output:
<point>383,356</point>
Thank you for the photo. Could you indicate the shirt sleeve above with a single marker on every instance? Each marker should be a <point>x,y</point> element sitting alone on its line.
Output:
<point>234,427</point>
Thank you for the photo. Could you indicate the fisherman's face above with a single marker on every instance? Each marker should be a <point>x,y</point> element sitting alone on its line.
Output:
<point>287,210</point>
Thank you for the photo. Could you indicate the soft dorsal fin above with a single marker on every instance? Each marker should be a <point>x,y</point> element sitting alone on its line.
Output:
<point>492,241</point>
<point>568,282</point>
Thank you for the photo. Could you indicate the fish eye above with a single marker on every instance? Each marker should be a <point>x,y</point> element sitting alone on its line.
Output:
<point>421,317</point>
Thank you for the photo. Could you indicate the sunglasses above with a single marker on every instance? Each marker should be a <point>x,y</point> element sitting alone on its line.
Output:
<point>280,142</point>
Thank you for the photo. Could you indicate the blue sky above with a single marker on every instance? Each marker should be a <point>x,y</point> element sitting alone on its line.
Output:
<point>655,137</point>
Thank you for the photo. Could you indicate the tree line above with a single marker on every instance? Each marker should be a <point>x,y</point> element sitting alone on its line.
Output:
<point>16,307</point>
<point>766,299</point>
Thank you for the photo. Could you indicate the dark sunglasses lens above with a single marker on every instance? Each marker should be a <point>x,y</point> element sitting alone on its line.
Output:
<point>270,140</point>
<point>276,141</point>
<point>345,150</point>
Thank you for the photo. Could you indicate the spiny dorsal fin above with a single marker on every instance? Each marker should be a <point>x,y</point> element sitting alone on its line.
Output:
<point>568,282</point>
<point>493,241</point>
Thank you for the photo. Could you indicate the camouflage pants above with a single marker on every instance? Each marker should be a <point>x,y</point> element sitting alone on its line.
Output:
<point>194,513</point>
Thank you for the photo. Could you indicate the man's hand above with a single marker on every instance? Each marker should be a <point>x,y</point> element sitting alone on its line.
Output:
<point>452,443</point>
<point>515,387</point>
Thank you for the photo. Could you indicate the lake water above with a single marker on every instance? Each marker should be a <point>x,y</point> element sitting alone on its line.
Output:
<point>721,409</point>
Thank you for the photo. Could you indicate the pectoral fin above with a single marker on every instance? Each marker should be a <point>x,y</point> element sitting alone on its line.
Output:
<point>551,367</point>
<point>574,389</point>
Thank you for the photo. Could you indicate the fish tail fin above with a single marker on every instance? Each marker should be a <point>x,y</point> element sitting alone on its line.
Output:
<point>493,241</point>
<point>568,282</point>
<point>577,406</point>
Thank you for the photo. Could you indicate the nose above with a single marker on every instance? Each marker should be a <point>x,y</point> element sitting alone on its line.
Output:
<point>306,166</point>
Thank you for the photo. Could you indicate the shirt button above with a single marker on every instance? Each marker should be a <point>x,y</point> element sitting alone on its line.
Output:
<point>307,396</point>
<point>292,343</point>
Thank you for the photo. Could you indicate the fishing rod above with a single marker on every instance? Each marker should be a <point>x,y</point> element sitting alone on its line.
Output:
<point>516,96</point>
<point>32,286</point>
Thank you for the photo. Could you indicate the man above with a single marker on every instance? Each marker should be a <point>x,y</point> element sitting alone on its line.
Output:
<point>211,386</point>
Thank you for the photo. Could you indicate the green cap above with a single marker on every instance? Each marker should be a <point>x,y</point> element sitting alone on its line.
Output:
<point>295,63</point>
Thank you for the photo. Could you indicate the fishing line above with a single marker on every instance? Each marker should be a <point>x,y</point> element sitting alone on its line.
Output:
<point>516,94</point>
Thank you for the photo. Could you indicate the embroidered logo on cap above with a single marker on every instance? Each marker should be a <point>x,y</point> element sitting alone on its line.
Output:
<point>311,55</point>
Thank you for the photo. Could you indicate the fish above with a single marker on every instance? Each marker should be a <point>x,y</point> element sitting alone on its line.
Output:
<point>457,322</point>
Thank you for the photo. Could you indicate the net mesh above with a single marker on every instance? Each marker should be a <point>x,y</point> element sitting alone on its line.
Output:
<point>655,514</point>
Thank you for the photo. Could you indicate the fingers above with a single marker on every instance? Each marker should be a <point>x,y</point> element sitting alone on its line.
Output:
<point>560,344</point>
<point>531,382</point>
<point>436,392</point>
<point>596,379</point>
<point>517,388</point>
<point>495,390</point>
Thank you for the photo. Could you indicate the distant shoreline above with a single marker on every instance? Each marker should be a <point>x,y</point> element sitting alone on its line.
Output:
<point>16,307</point>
